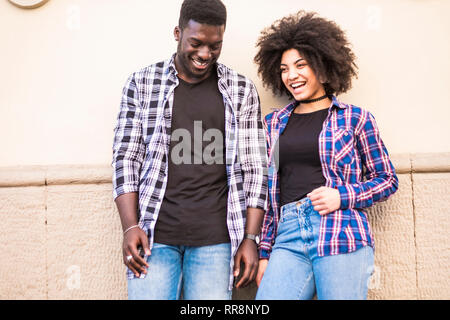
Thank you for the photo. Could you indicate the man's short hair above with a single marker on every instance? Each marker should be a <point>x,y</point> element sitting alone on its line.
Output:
<point>212,12</point>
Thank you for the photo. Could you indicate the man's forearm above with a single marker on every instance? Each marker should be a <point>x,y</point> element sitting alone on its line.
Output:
<point>127,204</point>
<point>254,220</point>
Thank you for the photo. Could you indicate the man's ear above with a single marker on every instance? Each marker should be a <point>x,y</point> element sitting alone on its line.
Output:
<point>177,33</point>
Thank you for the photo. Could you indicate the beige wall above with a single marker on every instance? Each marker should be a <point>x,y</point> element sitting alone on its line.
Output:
<point>62,69</point>
<point>61,234</point>
<point>63,66</point>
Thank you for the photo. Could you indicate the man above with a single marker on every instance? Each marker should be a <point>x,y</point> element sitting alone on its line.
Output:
<point>191,209</point>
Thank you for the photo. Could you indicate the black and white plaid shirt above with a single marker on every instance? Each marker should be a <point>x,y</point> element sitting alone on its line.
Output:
<point>142,139</point>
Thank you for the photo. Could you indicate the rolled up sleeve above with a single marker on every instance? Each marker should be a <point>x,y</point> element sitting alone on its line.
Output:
<point>252,152</point>
<point>128,147</point>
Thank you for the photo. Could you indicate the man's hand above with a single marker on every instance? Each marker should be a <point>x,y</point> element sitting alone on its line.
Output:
<point>325,200</point>
<point>132,240</point>
<point>248,254</point>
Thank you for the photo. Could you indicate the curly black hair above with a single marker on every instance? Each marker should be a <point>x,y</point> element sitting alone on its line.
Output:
<point>212,12</point>
<point>321,42</point>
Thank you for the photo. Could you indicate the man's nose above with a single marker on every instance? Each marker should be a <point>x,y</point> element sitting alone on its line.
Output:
<point>204,53</point>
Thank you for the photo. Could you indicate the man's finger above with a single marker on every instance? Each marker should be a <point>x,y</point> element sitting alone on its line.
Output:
<point>237,264</point>
<point>145,246</point>
<point>130,263</point>
<point>137,258</point>
<point>253,274</point>
<point>245,276</point>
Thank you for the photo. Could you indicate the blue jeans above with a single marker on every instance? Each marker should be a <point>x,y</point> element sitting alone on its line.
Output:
<point>295,271</point>
<point>201,273</point>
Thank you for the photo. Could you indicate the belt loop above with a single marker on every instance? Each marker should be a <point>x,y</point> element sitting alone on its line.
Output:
<point>297,207</point>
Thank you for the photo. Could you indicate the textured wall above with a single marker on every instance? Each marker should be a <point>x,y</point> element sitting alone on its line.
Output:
<point>23,243</point>
<point>431,203</point>
<point>61,236</point>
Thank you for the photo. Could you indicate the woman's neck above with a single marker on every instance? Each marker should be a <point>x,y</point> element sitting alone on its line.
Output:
<point>314,106</point>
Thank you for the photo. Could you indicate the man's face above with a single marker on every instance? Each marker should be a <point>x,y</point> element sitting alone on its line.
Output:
<point>199,47</point>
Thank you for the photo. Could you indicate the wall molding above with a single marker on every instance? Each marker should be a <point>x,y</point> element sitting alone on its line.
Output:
<point>21,176</point>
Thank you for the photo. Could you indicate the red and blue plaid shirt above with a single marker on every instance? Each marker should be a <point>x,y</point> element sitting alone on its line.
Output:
<point>349,141</point>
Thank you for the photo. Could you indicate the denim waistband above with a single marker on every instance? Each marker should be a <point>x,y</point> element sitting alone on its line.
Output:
<point>299,206</point>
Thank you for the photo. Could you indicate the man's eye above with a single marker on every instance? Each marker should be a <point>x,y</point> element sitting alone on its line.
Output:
<point>195,45</point>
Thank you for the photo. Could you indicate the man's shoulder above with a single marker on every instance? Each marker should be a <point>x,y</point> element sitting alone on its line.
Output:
<point>234,76</point>
<point>155,70</point>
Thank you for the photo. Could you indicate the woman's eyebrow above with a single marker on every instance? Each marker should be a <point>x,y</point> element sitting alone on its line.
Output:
<point>283,64</point>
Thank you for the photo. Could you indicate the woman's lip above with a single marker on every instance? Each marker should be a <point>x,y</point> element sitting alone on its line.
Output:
<point>299,88</point>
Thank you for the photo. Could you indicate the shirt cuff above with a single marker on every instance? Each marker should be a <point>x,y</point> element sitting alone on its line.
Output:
<point>257,202</point>
<point>124,188</point>
<point>264,251</point>
<point>348,195</point>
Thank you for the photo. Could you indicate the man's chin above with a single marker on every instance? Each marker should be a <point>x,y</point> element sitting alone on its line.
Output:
<point>201,73</point>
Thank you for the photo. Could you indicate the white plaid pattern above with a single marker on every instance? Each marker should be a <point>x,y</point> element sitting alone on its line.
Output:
<point>142,139</point>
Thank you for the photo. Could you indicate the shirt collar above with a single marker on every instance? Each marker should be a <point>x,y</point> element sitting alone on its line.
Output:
<point>338,104</point>
<point>171,66</point>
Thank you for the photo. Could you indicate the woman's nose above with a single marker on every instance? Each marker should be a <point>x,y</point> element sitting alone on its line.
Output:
<point>292,74</point>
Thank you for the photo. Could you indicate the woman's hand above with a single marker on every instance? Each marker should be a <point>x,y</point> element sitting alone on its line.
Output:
<point>261,269</point>
<point>325,200</point>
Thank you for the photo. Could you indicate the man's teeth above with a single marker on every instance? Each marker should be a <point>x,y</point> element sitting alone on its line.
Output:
<point>201,64</point>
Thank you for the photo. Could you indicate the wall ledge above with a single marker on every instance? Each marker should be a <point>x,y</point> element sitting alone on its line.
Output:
<point>21,176</point>
<point>430,162</point>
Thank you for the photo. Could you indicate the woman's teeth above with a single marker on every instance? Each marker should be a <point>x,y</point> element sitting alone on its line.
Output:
<point>297,85</point>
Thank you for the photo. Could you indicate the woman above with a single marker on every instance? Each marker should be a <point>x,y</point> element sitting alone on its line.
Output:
<point>327,163</point>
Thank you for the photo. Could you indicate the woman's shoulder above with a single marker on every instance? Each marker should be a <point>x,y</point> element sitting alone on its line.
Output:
<point>354,112</point>
<point>361,119</point>
<point>277,113</point>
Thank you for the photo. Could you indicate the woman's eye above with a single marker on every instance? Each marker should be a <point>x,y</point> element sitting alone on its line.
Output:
<point>283,70</point>
<point>301,65</point>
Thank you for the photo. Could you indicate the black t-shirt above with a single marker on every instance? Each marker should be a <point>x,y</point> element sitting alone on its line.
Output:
<point>300,166</point>
<point>194,209</point>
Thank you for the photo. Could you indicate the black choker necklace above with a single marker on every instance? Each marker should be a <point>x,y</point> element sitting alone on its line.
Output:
<point>314,100</point>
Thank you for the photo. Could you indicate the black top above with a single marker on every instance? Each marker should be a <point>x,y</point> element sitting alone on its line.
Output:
<point>300,167</point>
<point>194,209</point>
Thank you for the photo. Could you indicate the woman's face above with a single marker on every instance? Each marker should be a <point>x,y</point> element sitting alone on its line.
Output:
<point>298,77</point>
